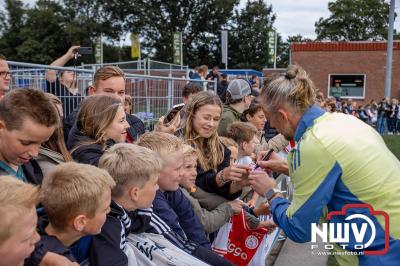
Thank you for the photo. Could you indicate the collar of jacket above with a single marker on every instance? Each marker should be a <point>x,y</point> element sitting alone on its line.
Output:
<point>228,108</point>
<point>307,120</point>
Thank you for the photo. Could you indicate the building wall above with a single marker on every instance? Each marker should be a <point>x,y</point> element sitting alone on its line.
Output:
<point>320,64</point>
<point>369,58</point>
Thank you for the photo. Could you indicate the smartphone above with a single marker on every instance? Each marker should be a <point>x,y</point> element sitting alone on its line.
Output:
<point>265,157</point>
<point>173,112</point>
<point>84,50</point>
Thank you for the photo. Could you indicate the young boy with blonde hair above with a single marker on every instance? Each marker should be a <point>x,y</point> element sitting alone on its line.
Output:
<point>245,135</point>
<point>135,170</point>
<point>232,146</point>
<point>214,211</point>
<point>76,198</point>
<point>170,204</point>
<point>18,220</point>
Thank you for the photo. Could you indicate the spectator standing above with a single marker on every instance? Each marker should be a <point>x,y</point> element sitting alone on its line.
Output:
<point>398,118</point>
<point>392,116</point>
<point>372,113</point>
<point>202,73</point>
<point>5,76</point>
<point>381,124</point>
<point>255,84</point>
<point>337,91</point>
<point>222,86</point>
<point>63,84</point>
<point>238,99</point>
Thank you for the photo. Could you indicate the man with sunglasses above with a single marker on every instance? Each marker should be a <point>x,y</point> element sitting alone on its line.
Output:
<point>5,76</point>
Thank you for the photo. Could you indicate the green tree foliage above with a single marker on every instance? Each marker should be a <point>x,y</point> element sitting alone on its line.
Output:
<point>43,36</point>
<point>87,19</point>
<point>354,20</point>
<point>10,24</point>
<point>248,35</point>
<point>199,21</point>
<point>44,31</point>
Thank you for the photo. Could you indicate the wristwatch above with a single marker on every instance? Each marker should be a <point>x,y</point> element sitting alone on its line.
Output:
<point>271,193</point>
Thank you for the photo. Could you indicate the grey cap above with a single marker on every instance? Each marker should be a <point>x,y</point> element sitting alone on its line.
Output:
<point>238,88</point>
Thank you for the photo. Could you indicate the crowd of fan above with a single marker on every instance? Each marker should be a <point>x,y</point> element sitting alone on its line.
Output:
<point>110,191</point>
<point>107,186</point>
<point>383,115</point>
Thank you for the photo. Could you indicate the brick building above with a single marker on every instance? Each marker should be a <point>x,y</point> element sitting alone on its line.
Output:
<point>351,69</point>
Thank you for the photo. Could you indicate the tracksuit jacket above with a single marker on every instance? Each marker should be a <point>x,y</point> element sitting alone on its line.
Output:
<point>340,160</point>
<point>108,247</point>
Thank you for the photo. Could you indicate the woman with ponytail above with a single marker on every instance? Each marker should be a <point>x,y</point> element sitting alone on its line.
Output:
<point>337,161</point>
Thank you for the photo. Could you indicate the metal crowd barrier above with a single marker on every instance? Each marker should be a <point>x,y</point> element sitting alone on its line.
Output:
<point>152,96</point>
<point>284,184</point>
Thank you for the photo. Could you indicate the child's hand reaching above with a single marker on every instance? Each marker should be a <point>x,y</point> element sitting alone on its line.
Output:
<point>237,205</point>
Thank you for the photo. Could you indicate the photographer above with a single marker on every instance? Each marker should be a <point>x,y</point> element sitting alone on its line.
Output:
<point>64,83</point>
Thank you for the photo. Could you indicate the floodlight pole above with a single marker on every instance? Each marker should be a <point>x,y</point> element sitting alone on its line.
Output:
<point>389,56</point>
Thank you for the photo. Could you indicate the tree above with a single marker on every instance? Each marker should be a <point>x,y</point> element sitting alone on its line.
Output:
<point>43,35</point>
<point>199,21</point>
<point>44,32</point>
<point>10,24</point>
<point>354,20</point>
<point>248,39</point>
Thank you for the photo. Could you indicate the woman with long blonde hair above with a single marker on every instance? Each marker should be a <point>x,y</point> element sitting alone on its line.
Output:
<point>214,174</point>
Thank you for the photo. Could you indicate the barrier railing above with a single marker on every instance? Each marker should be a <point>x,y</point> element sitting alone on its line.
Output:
<point>284,184</point>
<point>152,96</point>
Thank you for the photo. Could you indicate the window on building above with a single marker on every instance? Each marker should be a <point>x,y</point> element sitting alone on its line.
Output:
<point>347,86</point>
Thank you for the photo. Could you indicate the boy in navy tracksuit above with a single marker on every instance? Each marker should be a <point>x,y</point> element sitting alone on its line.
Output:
<point>131,210</point>
<point>170,204</point>
<point>176,210</point>
<point>135,171</point>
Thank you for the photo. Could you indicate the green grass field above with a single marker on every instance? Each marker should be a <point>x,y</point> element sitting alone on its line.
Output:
<point>393,143</point>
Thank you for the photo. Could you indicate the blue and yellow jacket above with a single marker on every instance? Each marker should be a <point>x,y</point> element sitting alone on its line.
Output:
<point>339,160</point>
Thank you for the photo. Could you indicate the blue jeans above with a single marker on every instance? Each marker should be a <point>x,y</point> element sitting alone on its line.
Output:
<point>381,124</point>
<point>391,124</point>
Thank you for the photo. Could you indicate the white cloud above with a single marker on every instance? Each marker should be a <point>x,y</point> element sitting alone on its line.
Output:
<point>298,17</point>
